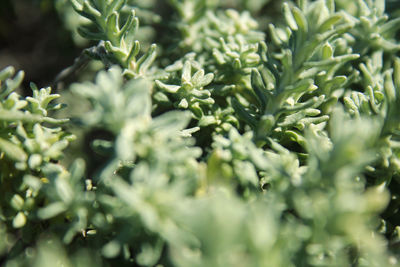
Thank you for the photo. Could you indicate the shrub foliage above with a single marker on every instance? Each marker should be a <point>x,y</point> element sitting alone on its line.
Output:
<point>230,141</point>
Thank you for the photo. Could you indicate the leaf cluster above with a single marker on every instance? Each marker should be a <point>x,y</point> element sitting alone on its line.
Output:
<point>243,147</point>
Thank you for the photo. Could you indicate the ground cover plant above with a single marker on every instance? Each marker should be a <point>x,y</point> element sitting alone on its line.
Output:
<point>207,133</point>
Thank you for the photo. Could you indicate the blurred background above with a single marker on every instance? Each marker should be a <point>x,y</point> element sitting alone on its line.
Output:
<point>32,38</point>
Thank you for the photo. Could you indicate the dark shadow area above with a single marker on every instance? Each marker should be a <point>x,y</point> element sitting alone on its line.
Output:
<point>32,38</point>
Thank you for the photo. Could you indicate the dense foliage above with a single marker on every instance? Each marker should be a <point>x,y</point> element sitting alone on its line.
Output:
<point>218,133</point>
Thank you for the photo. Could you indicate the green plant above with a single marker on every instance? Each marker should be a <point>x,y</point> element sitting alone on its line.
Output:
<point>240,148</point>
